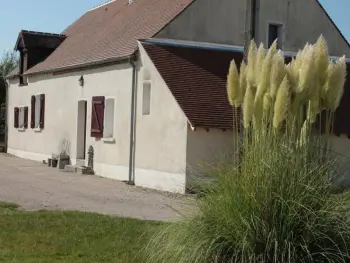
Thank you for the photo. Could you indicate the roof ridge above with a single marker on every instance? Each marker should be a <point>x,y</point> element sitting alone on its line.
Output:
<point>100,5</point>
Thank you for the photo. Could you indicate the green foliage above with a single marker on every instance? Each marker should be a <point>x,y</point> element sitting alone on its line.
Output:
<point>28,237</point>
<point>8,62</point>
<point>279,204</point>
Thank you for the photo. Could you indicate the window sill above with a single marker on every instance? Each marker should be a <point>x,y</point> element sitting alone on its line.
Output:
<point>21,129</point>
<point>110,140</point>
<point>23,85</point>
<point>37,129</point>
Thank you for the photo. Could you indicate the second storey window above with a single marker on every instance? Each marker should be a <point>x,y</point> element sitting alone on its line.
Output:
<point>37,111</point>
<point>275,31</point>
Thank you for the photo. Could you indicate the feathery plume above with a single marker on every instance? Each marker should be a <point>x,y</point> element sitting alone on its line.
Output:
<point>259,62</point>
<point>252,53</point>
<point>313,109</point>
<point>336,76</point>
<point>321,62</point>
<point>278,72</point>
<point>242,83</point>
<point>233,84</point>
<point>267,103</point>
<point>282,104</point>
<point>248,106</point>
<point>306,71</point>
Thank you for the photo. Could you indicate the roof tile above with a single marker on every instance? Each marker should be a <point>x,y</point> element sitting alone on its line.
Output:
<point>197,80</point>
<point>110,32</point>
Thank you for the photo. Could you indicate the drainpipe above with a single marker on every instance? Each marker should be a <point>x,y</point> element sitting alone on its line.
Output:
<point>132,61</point>
<point>250,25</point>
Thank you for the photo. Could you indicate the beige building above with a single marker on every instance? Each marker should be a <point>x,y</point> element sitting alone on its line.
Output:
<point>144,83</point>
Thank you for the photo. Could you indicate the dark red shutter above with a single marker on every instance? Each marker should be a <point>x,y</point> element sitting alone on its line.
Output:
<point>25,117</point>
<point>16,117</point>
<point>97,116</point>
<point>42,111</point>
<point>32,113</point>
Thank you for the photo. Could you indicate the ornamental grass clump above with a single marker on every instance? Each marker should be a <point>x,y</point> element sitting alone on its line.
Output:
<point>279,203</point>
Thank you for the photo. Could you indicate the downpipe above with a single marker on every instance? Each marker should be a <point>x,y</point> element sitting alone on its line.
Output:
<point>131,181</point>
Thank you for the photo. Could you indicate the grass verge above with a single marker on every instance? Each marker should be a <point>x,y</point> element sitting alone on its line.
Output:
<point>29,237</point>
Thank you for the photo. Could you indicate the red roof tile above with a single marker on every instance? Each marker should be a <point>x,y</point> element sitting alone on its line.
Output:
<point>197,79</point>
<point>110,32</point>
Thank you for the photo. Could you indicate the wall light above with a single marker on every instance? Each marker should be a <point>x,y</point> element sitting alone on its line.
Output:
<point>81,81</point>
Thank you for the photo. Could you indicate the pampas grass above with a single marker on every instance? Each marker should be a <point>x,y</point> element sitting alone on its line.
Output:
<point>282,104</point>
<point>277,203</point>
<point>233,88</point>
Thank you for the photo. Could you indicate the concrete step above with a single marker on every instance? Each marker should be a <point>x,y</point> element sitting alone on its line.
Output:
<point>78,169</point>
<point>80,162</point>
<point>70,168</point>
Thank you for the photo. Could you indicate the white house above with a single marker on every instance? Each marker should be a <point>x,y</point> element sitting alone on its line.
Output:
<point>139,82</point>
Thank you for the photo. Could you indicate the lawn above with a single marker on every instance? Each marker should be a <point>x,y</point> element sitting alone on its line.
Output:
<point>45,236</point>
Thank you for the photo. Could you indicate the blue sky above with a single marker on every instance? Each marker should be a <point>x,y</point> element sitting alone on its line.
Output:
<point>55,15</point>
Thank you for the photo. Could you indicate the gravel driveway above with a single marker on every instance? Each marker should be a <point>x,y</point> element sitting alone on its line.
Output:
<point>34,186</point>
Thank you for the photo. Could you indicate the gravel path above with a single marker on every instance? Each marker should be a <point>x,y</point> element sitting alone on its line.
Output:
<point>34,186</point>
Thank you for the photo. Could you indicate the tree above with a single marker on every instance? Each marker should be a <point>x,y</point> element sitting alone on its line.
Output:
<point>8,62</point>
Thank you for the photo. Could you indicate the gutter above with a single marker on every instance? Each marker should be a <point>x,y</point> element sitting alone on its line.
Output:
<point>99,63</point>
<point>132,61</point>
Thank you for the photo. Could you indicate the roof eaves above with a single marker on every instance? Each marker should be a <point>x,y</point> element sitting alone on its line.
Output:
<point>209,46</point>
<point>191,44</point>
<point>80,66</point>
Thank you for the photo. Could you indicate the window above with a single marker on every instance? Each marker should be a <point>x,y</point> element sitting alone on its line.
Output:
<point>275,32</point>
<point>102,117</point>
<point>21,117</point>
<point>146,98</point>
<point>37,111</point>
<point>109,119</point>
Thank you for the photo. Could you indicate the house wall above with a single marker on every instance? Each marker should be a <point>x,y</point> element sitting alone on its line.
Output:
<point>206,148</point>
<point>304,21</point>
<point>62,92</point>
<point>223,22</point>
<point>160,136</point>
<point>219,21</point>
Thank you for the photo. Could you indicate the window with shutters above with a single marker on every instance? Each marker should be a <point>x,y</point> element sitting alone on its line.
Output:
<point>109,118</point>
<point>21,118</point>
<point>146,97</point>
<point>37,111</point>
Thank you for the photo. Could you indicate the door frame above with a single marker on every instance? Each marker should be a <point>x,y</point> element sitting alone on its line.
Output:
<point>81,129</point>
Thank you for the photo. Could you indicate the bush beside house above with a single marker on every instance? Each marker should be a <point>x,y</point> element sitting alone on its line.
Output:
<point>8,62</point>
<point>279,203</point>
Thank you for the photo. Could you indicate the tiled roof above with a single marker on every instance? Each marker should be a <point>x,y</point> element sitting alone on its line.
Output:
<point>197,79</point>
<point>111,32</point>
